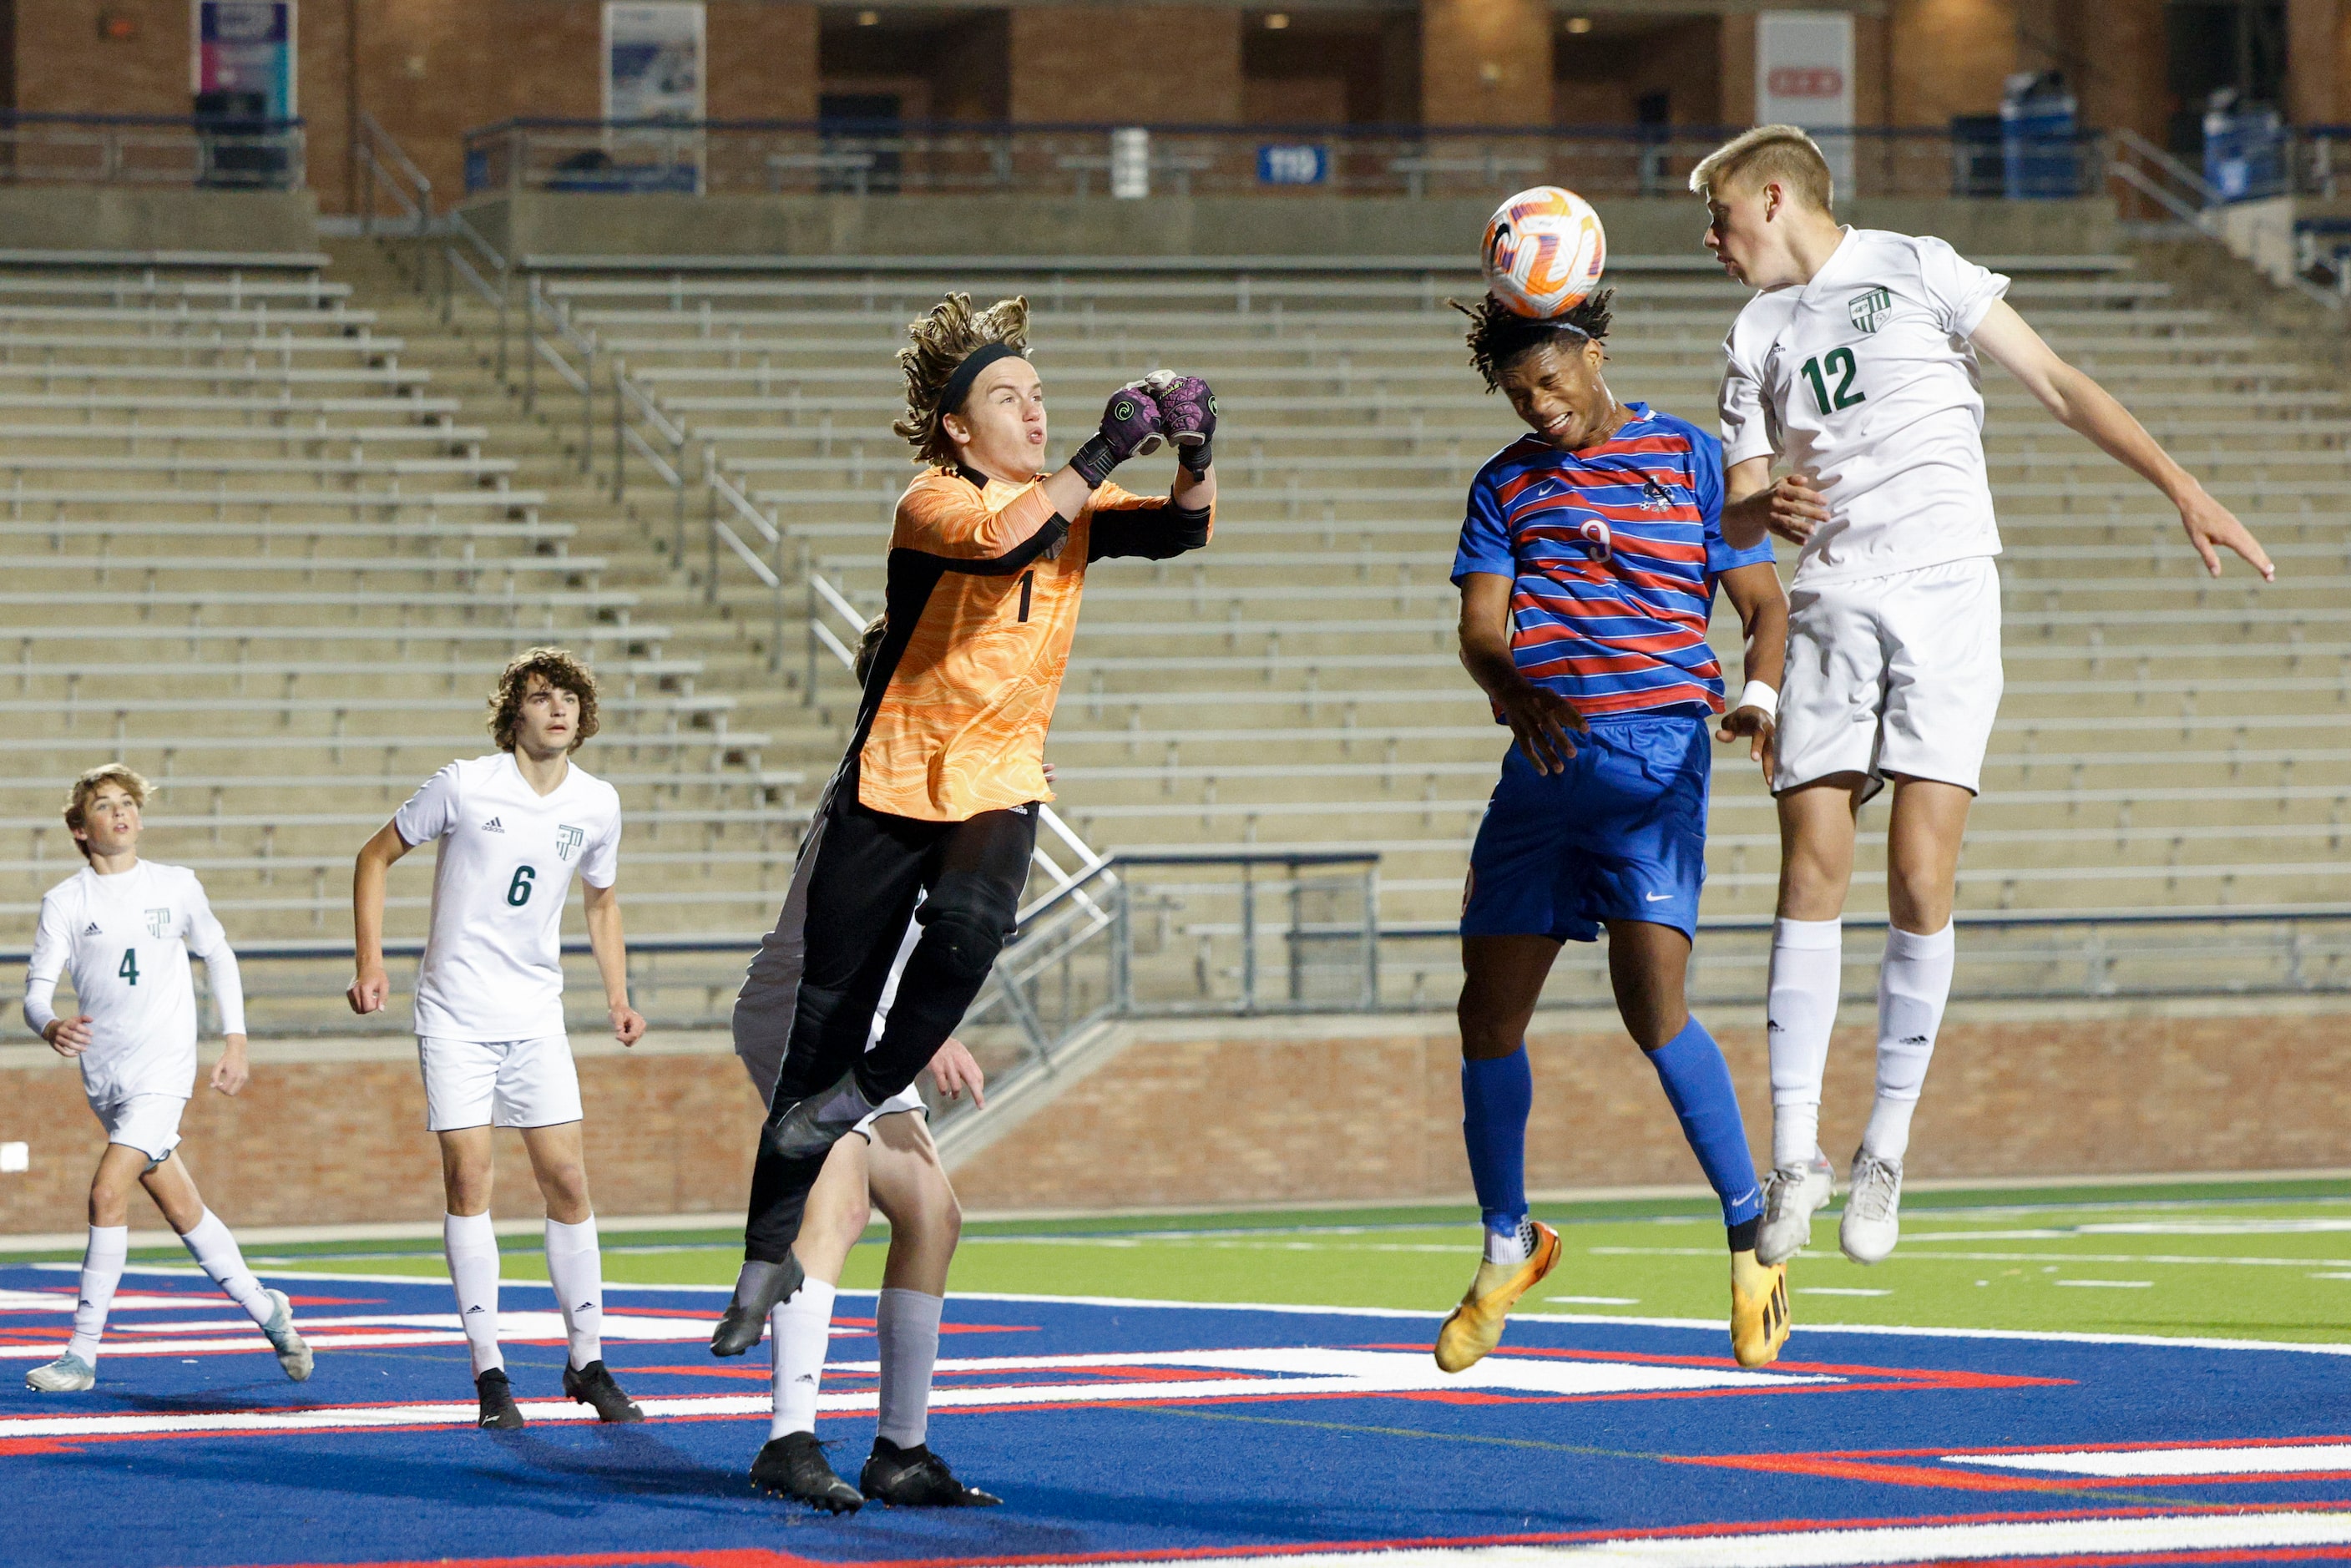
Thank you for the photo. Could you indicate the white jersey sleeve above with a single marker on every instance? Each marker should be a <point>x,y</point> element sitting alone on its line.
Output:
<point>432,811</point>
<point>1959,291</point>
<point>1747,428</point>
<point>600,867</point>
<point>52,945</point>
<point>208,941</point>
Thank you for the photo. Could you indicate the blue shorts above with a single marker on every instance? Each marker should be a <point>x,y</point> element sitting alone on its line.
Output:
<point>1621,835</point>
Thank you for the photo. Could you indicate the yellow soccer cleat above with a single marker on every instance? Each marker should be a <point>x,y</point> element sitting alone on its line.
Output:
<point>1475,1326</point>
<point>1758,1310</point>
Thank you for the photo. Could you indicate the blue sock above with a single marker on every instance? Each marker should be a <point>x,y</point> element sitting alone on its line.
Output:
<point>1698,1082</point>
<point>1495,1095</point>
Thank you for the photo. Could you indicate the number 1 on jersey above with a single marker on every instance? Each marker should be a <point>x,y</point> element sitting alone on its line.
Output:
<point>1846,395</point>
<point>129,967</point>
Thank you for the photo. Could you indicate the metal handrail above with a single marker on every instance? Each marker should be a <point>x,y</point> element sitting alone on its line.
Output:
<point>540,348</point>
<point>453,261</point>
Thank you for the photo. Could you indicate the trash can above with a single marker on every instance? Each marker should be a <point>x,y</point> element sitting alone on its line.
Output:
<point>241,147</point>
<point>1978,167</point>
<point>2038,148</point>
<point>2244,149</point>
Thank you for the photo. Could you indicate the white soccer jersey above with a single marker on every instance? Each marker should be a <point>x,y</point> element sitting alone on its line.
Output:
<point>1864,379</point>
<point>492,967</point>
<point>125,939</point>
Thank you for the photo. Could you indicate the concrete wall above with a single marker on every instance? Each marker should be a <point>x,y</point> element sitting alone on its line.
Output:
<point>122,217</point>
<point>1344,1108</point>
<point>574,224</point>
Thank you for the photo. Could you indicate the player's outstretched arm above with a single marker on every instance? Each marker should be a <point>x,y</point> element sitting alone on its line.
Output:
<point>1756,506</point>
<point>370,988</point>
<point>1539,718</point>
<point>612,961</point>
<point>2085,407</point>
<point>1762,606</point>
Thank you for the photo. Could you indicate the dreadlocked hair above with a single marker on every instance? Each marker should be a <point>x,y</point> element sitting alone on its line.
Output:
<point>940,341</point>
<point>1499,334</point>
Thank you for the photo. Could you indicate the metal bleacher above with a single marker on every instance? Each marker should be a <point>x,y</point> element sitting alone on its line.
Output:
<point>2167,741</point>
<point>271,550</point>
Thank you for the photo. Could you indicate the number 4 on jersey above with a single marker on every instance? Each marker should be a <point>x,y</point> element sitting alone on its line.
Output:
<point>129,967</point>
<point>1818,370</point>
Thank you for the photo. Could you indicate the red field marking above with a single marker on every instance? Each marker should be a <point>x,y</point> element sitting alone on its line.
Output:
<point>1872,1464</point>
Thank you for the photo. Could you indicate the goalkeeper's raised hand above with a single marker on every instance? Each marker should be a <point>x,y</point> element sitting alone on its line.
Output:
<point>1188,410</point>
<point>1131,423</point>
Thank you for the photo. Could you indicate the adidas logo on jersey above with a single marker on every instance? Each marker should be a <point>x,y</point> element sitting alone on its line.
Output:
<point>494,826</point>
<point>91,930</point>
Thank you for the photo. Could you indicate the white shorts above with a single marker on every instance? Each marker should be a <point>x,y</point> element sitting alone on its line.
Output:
<point>1893,674</point>
<point>907,1099</point>
<point>505,1083</point>
<point>148,1123</point>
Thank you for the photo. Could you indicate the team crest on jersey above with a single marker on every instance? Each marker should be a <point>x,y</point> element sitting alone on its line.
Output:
<point>567,839</point>
<point>1656,497</point>
<point>158,922</point>
<point>1868,307</point>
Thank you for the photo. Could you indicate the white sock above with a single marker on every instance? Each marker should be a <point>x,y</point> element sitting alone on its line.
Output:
<point>575,1266</point>
<point>101,1271</point>
<point>1512,1246</point>
<point>907,1323</point>
<point>214,1251</point>
<point>1913,984</point>
<point>800,1331</point>
<point>1807,972</point>
<point>473,1251</point>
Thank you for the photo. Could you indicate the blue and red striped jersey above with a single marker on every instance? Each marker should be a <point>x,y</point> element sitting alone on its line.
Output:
<point>1613,553</point>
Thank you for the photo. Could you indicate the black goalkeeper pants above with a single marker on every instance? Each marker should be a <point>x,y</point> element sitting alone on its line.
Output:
<point>864,870</point>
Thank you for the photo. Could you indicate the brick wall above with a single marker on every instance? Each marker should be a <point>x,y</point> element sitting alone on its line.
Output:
<point>2318,62</point>
<point>427,69</point>
<point>334,1142</point>
<point>1485,62</point>
<point>1127,64</point>
<point>1203,1120</point>
<point>1188,1115</point>
<point>1949,57</point>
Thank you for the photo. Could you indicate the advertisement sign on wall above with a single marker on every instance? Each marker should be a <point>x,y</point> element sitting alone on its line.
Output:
<point>1803,76</point>
<point>247,45</point>
<point>653,61</point>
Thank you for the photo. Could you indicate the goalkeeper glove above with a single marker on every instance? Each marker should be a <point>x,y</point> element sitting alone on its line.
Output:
<point>1188,410</point>
<point>1131,423</point>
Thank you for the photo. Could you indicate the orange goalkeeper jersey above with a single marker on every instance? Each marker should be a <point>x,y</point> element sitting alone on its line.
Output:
<point>984,582</point>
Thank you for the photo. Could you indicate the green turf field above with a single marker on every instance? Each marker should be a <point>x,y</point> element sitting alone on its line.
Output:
<point>2269,1260</point>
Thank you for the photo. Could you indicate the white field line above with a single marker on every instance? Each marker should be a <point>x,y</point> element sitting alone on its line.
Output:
<point>2154,1464</point>
<point>1255,1374</point>
<point>2018,1257</point>
<point>1831,1548</point>
<point>1411,1314</point>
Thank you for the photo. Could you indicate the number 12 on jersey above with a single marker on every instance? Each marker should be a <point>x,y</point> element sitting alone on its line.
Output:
<point>1818,370</point>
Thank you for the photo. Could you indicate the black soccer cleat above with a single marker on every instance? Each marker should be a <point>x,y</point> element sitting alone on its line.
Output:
<point>594,1384</point>
<point>916,1477</point>
<point>793,1466</point>
<point>498,1400</point>
<point>757,1291</point>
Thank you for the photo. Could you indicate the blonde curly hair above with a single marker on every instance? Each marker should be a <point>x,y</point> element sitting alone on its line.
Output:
<point>940,341</point>
<point>86,787</point>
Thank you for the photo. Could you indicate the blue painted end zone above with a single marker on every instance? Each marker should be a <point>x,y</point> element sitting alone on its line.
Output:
<point>1110,1429</point>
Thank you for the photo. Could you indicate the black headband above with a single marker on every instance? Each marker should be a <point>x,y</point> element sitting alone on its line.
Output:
<point>979,359</point>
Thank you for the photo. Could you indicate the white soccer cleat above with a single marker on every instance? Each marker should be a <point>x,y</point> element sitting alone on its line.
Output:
<point>293,1350</point>
<point>69,1374</point>
<point>1873,1209</point>
<point>1792,1195</point>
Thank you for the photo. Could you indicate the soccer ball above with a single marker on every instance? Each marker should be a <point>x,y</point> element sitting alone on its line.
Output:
<point>1543,252</point>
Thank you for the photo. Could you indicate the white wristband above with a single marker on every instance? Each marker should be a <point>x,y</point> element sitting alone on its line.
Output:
<point>1756,695</point>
